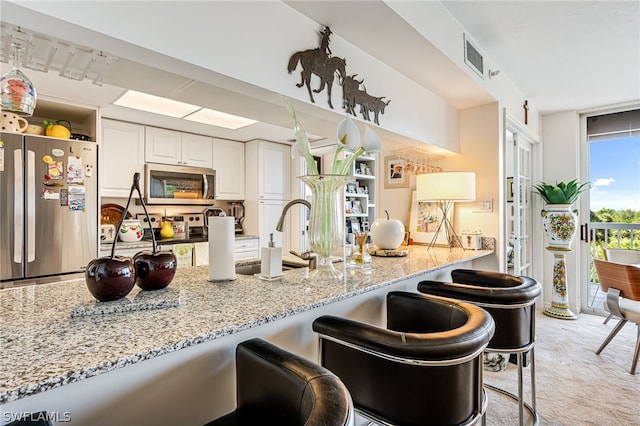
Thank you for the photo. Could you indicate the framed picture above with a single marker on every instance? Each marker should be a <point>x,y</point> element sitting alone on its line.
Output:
<point>351,187</point>
<point>356,207</point>
<point>365,226</point>
<point>360,190</point>
<point>424,221</point>
<point>395,175</point>
<point>509,189</point>
<point>355,226</point>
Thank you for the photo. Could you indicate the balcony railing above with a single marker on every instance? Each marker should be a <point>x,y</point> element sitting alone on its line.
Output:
<point>603,235</point>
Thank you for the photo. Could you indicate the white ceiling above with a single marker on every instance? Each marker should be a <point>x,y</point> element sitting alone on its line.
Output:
<point>563,55</point>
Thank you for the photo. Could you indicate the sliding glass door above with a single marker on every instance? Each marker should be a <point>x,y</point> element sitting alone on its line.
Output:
<point>612,152</point>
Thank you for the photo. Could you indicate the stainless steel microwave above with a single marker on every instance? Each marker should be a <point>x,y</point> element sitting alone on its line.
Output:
<point>164,184</point>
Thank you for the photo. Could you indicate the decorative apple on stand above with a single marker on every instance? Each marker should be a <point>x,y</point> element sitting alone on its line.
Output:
<point>387,234</point>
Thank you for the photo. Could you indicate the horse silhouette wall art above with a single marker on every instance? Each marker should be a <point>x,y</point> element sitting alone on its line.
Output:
<point>322,63</point>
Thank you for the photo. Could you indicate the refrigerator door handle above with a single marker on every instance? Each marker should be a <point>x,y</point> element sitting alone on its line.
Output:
<point>31,206</point>
<point>18,200</point>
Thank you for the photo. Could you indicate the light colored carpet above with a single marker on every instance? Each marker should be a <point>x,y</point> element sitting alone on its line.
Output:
<point>574,386</point>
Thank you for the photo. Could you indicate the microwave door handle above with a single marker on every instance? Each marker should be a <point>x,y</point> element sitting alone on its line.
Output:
<point>31,206</point>
<point>18,206</point>
<point>205,188</point>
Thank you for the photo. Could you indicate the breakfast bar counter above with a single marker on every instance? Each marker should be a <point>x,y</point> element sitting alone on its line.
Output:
<point>157,353</point>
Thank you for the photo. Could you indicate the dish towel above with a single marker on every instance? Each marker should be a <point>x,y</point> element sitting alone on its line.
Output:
<point>184,254</point>
<point>200,254</point>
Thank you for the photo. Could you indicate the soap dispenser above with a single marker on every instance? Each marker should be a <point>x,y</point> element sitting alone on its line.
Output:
<point>271,260</point>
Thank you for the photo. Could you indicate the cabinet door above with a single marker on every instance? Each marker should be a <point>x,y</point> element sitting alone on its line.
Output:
<point>269,213</point>
<point>274,169</point>
<point>162,146</point>
<point>197,150</point>
<point>122,155</point>
<point>228,162</point>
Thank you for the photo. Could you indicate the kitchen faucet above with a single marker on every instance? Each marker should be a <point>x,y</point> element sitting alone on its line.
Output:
<point>307,255</point>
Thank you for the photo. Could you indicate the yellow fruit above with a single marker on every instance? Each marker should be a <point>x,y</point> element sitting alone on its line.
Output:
<point>58,131</point>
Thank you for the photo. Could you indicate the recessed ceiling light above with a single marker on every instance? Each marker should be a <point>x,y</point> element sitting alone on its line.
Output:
<point>155,104</point>
<point>220,119</point>
<point>172,108</point>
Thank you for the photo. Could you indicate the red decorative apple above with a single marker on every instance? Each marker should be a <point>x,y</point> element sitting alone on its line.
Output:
<point>387,234</point>
<point>154,271</point>
<point>110,278</point>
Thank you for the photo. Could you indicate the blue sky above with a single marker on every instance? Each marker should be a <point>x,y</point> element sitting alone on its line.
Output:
<point>614,173</point>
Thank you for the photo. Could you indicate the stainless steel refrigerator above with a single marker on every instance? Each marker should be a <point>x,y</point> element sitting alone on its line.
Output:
<point>48,206</point>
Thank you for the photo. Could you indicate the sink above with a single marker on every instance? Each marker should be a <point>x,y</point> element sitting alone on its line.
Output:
<point>254,268</point>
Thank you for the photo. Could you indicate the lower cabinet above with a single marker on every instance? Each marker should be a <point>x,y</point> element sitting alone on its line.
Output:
<point>247,248</point>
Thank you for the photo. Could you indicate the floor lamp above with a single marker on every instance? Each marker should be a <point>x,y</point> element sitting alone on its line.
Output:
<point>445,188</point>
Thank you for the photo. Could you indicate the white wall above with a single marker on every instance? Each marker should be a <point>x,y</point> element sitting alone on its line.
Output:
<point>561,162</point>
<point>481,151</point>
<point>233,45</point>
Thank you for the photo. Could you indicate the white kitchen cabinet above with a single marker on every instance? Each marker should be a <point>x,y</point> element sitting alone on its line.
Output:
<point>228,162</point>
<point>269,165</point>
<point>122,149</point>
<point>247,248</point>
<point>269,212</point>
<point>267,190</point>
<point>172,147</point>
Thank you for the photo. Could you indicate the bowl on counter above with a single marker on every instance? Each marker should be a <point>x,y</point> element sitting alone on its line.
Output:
<point>130,231</point>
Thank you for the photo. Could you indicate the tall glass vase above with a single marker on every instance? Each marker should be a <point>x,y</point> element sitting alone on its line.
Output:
<point>326,223</point>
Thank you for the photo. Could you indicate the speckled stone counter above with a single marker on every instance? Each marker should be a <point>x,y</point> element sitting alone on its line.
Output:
<point>43,347</point>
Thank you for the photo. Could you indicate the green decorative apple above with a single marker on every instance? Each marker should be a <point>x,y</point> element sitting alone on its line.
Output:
<point>387,234</point>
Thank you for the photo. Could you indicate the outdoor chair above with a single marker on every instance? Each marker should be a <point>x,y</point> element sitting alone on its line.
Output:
<point>622,284</point>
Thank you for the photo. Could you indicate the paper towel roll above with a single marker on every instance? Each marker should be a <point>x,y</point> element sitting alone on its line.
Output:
<point>222,262</point>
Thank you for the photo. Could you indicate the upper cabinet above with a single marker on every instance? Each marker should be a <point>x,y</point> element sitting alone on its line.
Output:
<point>269,164</point>
<point>171,147</point>
<point>228,162</point>
<point>122,156</point>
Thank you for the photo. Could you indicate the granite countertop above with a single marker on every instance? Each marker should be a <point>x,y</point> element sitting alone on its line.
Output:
<point>44,347</point>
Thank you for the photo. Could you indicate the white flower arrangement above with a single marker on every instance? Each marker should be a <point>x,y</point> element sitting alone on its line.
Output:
<point>348,141</point>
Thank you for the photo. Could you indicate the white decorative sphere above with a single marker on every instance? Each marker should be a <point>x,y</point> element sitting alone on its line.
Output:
<point>387,234</point>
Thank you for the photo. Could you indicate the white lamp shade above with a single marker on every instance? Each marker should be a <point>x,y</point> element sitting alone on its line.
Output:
<point>450,186</point>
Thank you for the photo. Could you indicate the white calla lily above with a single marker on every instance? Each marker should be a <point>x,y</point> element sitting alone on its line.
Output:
<point>371,142</point>
<point>348,140</point>
<point>348,135</point>
<point>302,147</point>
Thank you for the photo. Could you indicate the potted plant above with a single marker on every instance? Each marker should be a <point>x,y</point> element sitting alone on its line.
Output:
<point>560,193</point>
<point>560,218</point>
<point>559,222</point>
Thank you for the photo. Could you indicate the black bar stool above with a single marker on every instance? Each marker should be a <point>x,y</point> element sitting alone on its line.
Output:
<point>511,302</point>
<point>276,387</point>
<point>424,368</point>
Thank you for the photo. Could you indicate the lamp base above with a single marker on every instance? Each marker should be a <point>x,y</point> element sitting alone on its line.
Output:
<point>452,236</point>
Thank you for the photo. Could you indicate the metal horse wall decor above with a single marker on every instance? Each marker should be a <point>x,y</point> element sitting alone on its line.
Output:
<point>319,61</point>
